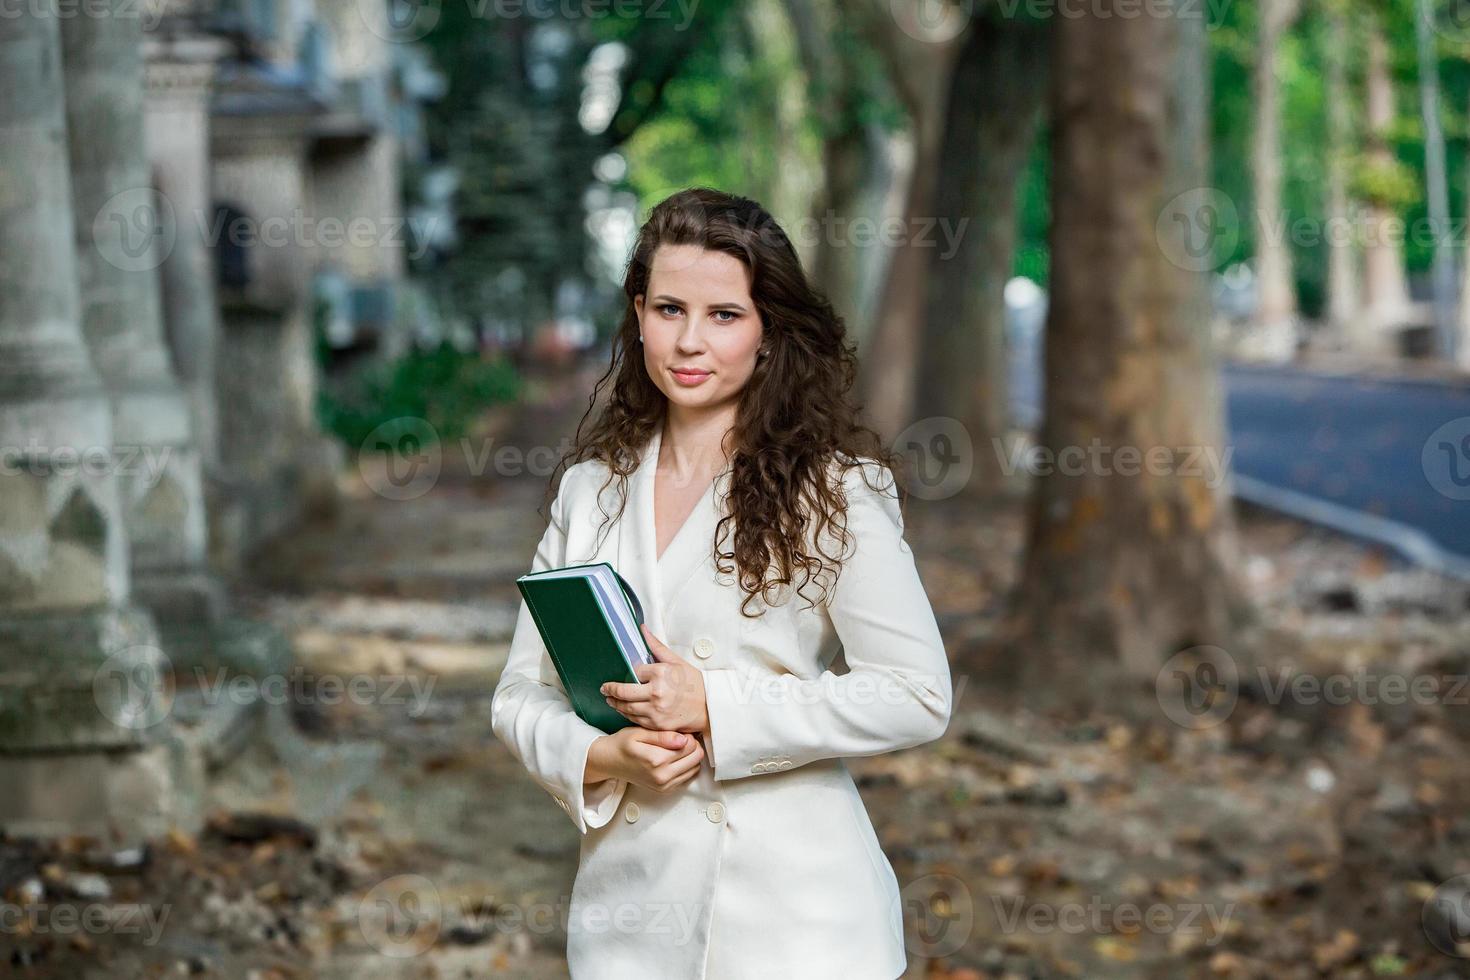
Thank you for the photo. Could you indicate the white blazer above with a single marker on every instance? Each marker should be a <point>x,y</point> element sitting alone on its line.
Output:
<point>765,864</point>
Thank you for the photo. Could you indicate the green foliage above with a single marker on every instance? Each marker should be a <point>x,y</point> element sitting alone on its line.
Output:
<point>443,386</point>
<point>1231,54</point>
<point>1304,136</point>
<point>1033,212</point>
<point>717,126</point>
<point>709,100</point>
<point>509,126</point>
<point>720,122</point>
<point>1304,103</point>
<point>713,94</point>
<point>1390,183</point>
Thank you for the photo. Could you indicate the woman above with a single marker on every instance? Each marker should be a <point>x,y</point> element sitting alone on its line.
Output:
<point>723,836</point>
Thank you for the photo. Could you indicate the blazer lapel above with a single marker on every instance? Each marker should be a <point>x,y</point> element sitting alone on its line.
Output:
<point>636,538</point>
<point>690,550</point>
<point>659,580</point>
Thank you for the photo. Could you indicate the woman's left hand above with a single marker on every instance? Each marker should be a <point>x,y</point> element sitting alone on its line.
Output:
<point>670,697</point>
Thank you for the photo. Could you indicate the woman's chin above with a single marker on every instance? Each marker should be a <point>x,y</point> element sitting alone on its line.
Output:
<point>690,397</point>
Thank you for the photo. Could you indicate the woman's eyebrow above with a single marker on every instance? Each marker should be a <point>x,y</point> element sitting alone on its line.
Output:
<point>666,298</point>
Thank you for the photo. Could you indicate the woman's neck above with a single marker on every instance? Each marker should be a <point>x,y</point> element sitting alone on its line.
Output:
<point>693,447</point>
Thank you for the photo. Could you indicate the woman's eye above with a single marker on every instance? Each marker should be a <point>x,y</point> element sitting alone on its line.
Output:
<point>669,306</point>
<point>730,313</point>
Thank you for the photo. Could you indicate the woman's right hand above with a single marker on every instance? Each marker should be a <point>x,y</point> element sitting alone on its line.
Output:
<point>655,760</point>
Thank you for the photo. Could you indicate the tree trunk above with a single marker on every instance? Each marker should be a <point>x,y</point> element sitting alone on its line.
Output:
<point>1276,310</point>
<point>995,99</point>
<point>851,147</point>
<point>1435,183</point>
<point>1385,284</point>
<point>1463,347</point>
<point>1129,559</point>
<point>1342,259</point>
<point>836,264</point>
<point>920,70</point>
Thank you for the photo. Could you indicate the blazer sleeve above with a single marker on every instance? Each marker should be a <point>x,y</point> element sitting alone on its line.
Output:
<point>897,692</point>
<point>530,711</point>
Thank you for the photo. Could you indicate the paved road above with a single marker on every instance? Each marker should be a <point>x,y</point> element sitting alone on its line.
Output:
<point>1384,459</point>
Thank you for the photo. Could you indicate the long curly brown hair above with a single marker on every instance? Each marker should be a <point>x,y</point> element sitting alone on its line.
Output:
<point>796,430</point>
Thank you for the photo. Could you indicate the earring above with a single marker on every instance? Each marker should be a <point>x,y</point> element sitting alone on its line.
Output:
<point>640,338</point>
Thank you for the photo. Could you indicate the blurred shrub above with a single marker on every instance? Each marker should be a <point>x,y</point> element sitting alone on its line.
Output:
<point>444,386</point>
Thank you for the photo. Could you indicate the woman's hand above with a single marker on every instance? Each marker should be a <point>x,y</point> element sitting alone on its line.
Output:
<point>654,760</point>
<point>671,697</point>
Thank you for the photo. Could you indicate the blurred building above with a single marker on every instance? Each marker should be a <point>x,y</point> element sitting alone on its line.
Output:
<point>278,130</point>
<point>178,181</point>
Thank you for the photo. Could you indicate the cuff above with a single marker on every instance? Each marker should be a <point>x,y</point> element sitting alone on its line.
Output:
<point>588,807</point>
<point>730,757</point>
<point>601,801</point>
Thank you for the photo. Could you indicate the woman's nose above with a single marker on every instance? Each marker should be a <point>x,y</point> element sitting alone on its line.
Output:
<point>690,341</point>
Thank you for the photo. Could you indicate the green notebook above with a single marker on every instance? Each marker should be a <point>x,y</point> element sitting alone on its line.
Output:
<point>588,617</point>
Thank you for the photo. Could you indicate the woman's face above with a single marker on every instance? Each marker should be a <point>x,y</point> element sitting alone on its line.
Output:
<point>698,315</point>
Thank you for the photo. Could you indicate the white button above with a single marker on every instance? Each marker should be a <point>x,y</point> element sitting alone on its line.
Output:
<point>758,767</point>
<point>785,764</point>
<point>630,812</point>
<point>704,646</point>
<point>715,812</point>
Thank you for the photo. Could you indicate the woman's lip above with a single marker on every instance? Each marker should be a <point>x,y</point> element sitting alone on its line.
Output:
<point>689,377</point>
<point>690,374</point>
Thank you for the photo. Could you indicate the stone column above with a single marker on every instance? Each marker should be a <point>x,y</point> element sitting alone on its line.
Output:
<point>82,696</point>
<point>179,71</point>
<point>277,461</point>
<point>124,231</point>
<point>169,292</point>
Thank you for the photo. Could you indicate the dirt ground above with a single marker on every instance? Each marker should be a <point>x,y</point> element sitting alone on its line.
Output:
<point>1310,819</point>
